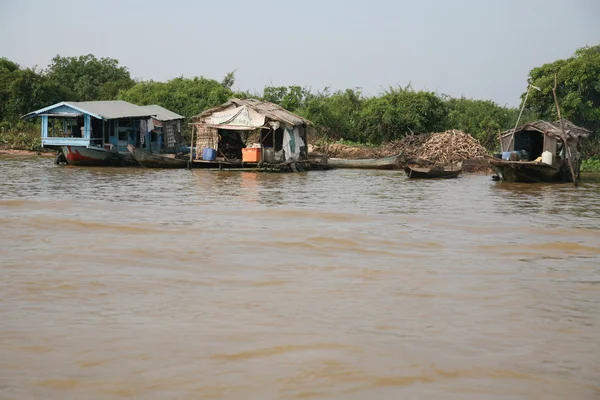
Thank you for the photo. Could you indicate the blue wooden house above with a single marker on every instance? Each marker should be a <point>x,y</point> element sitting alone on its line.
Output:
<point>97,132</point>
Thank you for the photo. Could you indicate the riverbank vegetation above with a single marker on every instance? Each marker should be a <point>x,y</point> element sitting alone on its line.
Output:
<point>591,164</point>
<point>346,116</point>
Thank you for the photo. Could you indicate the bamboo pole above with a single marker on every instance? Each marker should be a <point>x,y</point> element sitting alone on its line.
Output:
<point>192,145</point>
<point>512,138</point>
<point>562,131</point>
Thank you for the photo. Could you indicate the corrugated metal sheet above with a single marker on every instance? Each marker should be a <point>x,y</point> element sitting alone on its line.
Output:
<point>162,114</point>
<point>112,109</point>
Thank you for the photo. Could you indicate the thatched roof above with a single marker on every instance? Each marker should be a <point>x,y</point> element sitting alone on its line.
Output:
<point>269,110</point>
<point>572,131</point>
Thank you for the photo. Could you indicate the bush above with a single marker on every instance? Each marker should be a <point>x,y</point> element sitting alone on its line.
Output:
<point>22,136</point>
<point>591,165</point>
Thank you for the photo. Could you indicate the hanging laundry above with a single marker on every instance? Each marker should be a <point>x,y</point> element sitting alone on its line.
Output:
<point>143,130</point>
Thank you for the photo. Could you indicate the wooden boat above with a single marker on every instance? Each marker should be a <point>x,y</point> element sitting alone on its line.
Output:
<point>369,163</point>
<point>530,171</point>
<point>558,142</point>
<point>433,172</point>
<point>90,156</point>
<point>150,160</point>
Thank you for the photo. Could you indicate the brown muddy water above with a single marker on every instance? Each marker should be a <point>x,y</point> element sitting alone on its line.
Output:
<point>147,284</point>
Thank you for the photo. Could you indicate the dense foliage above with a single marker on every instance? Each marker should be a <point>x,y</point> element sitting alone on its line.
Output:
<point>578,90</point>
<point>181,95</point>
<point>87,78</point>
<point>347,115</point>
<point>592,164</point>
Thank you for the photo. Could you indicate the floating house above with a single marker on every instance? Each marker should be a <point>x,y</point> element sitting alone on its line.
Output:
<point>166,129</point>
<point>250,133</point>
<point>541,151</point>
<point>98,132</point>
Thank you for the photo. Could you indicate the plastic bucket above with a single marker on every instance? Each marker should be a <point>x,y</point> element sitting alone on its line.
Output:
<point>209,154</point>
<point>269,154</point>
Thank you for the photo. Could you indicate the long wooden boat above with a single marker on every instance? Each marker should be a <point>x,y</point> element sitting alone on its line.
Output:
<point>530,171</point>
<point>369,163</point>
<point>433,172</point>
<point>149,160</point>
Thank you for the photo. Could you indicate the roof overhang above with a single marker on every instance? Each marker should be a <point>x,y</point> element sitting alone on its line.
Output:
<point>47,111</point>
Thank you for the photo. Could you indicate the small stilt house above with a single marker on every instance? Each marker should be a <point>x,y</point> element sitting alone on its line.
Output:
<point>277,135</point>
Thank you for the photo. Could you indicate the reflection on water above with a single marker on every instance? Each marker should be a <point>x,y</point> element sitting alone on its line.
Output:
<point>134,283</point>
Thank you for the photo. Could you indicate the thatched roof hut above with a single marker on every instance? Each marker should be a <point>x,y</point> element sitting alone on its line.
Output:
<point>271,111</point>
<point>552,129</point>
<point>226,128</point>
<point>539,136</point>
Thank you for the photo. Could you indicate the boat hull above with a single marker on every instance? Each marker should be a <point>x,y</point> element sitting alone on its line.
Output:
<point>87,156</point>
<point>149,160</point>
<point>416,173</point>
<point>435,172</point>
<point>371,163</point>
<point>529,172</point>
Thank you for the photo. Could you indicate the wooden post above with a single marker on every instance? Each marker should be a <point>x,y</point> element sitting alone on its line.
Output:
<point>192,144</point>
<point>564,136</point>
<point>500,138</point>
<point>44,126</point>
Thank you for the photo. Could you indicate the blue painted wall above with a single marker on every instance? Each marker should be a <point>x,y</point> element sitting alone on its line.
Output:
<point>44,126</point>
<point>87,126</point>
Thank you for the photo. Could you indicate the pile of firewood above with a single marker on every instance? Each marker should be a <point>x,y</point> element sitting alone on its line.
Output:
<point>444,147</point>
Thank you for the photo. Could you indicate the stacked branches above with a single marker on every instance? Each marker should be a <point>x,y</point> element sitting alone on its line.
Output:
<point>439,148</point>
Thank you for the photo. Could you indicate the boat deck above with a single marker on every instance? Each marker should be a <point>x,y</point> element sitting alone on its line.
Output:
<point>238,165</point>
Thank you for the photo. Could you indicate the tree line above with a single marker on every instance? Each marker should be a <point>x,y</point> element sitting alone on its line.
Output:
<point>344,114</point>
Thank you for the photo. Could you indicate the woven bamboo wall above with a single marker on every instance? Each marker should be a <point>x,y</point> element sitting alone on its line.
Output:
<point>206,137</point>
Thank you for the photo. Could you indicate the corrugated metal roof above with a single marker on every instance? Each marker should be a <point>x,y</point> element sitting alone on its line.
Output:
<point>110,109</point>
<point>269,110</point>
<point>162,114</point>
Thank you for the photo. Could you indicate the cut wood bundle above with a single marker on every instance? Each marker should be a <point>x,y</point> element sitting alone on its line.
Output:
<point>440,148</point>
<point>428,148</point>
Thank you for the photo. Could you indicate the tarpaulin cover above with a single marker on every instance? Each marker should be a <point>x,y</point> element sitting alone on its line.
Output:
<point>239,118</point>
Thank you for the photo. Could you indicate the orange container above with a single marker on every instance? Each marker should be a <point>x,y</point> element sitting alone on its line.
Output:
<point>251,154</point>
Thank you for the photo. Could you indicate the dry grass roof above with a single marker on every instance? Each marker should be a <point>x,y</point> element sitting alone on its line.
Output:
<point>572,131</point>
<point>269,110</point>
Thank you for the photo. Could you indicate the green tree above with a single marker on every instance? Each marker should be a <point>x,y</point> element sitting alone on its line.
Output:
<point>24,90</point>
<point>87,78</point>
<point>228,80</point>
<point>482,119</point>
<point>400,111</point>
<point>335,115</point>
<point>578,89</point>
<point>292,98</point>
<point>185,96</point>
<point>7,75</point>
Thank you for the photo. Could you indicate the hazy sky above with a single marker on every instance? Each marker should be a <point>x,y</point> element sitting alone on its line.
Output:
<point>481,49</point>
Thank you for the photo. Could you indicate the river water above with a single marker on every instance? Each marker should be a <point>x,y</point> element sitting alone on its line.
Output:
<point>157,284</point>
